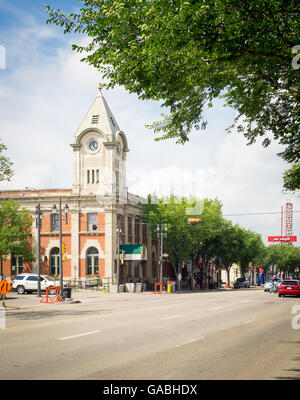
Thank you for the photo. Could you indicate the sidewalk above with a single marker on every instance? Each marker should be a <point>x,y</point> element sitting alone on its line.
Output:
<point>18,302</point>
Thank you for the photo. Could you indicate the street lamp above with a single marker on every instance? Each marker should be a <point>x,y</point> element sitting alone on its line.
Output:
<point>38,219</point>
<point>119,231</point>
<point>162,230</point>
<point>60,218</point>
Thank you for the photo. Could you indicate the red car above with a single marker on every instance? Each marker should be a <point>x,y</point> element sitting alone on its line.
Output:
<point>289,287</point>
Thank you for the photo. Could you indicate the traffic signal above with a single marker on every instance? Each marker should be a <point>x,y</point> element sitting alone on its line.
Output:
<point>194,220</point>
<point>122,256</point>
<point>63,250</point>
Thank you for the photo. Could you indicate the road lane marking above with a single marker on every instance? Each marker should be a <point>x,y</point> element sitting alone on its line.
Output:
<point>174,316</point>
<point>81,334</point>
<point>190,341</point>
<point>216,308</point>
<point>245,301</point>
<point>249,321</point>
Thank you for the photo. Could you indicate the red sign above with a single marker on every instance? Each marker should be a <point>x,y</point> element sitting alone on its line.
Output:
<point>282,239</point>
<point>261,270</point>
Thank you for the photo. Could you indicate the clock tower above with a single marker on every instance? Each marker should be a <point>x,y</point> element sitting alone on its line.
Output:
<point>100,149</point>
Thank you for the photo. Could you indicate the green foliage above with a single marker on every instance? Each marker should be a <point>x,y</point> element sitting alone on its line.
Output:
<point>15,231</point>
<point>5,165</point>
<point>284,256</point>
<point>214,237</point>
<point>291,177</point>
<point>187,53</point>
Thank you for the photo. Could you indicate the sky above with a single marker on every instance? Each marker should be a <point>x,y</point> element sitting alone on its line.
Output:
<point>45,92</point>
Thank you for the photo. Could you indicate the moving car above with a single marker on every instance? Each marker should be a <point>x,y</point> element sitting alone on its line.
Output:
<point>241,282</point>
<point>29,283</point>
<point>289,287</point>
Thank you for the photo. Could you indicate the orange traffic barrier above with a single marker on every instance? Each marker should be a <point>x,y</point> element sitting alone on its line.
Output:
<point>156,284</point>
<point>52,298</point>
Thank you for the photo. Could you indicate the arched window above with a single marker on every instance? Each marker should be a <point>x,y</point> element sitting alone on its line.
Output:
<point>92,261</point>
<point>54,261</point>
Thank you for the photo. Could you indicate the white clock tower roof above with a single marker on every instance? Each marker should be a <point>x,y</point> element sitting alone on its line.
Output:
<point>99,117</point>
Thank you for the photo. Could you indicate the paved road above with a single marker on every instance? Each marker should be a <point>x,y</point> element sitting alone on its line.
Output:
<point>237,334</point>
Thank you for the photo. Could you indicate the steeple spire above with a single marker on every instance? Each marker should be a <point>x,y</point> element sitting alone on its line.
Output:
<point>100,87</point>
<point>99,117</point>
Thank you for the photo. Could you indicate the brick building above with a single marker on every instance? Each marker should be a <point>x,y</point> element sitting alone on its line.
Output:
<point>97,201</point>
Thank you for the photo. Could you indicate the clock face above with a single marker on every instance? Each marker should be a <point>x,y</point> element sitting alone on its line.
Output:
<point>93,145</point>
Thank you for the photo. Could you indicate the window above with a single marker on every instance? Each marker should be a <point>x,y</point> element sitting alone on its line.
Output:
<point>137,228</point>
<point>19,278</point>
<point>88,176</point>
<point>32,278</point>
<point>129,226</point>
<point>54,261</point>
<point>97,176</point>
<point>93,176</point>
<point>92,222</point>
<point>144,230</point>
<point>92,261</point>
<point>54,219</point>
<point>16,265</point>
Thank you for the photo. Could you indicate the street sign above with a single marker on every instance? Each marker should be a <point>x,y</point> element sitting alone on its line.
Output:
<point>4,287</point>
<point>282,239</point>
<point>179,276</point>
<point>261,270</point>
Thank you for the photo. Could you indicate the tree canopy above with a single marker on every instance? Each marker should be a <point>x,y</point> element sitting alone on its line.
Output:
<point>187,53</point>
<point>5,165</point>
<point>15,231</point>
<point>214,238</point>
<point>291,177</point>
<point>284,256</point>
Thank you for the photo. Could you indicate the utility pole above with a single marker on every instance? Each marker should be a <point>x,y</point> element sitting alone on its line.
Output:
<point>119,231</point>
<point>162,230</point>
<point>38,219</point>
<point>66,210</point>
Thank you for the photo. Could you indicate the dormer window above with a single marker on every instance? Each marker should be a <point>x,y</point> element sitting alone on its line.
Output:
<point>95,119</point>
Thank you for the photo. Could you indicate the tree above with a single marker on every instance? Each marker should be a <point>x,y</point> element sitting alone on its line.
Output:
<point>187,53</point>
<point>252,249</point>
<point>291,177</point>
<point>229,245</point>
<point>285,257</point>
<point>15,231</point>
<point>205,235</point>
<point>171,211</point>
<point>5,165</point>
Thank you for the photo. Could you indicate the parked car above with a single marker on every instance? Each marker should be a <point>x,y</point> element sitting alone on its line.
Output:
<point>241,282</point>
<point>289,287</point>
<point>269,283</point>
<point>29,283</point>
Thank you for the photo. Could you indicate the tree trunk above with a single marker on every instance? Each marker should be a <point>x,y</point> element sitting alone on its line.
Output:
<point>228,275</point>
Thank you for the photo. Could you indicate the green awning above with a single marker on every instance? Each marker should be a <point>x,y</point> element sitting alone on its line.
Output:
<point>134,252</point>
